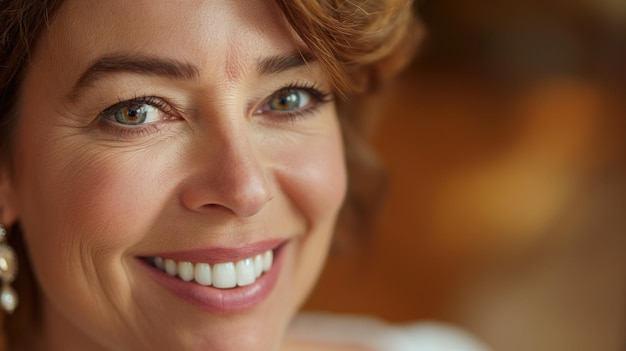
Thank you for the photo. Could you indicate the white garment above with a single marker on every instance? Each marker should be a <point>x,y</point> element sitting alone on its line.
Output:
<point>381,336</point>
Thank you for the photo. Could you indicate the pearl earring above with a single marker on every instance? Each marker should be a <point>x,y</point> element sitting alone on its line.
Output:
<point>8,272</point>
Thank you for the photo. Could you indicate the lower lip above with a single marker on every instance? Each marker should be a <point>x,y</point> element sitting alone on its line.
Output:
<point>222,301</point>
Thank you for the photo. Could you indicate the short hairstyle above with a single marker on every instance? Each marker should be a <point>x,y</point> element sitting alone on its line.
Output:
<point>359,44</point>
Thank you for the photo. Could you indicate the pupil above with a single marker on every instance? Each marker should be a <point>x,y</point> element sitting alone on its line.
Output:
<point>131,115</point>
<point>287,100</point>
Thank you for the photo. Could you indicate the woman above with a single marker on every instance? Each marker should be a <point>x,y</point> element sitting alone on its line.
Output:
<point>174,170</point>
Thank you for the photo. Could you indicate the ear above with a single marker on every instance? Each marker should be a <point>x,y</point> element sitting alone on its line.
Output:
<point>8,204</point>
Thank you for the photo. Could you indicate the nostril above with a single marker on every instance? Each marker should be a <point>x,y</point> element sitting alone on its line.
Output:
<point>249,201</point>
<point>234,180</point>
<point>213,207</point>
<point>242,201</point>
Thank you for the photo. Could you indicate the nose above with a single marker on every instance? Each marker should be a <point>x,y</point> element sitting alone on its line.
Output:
<point>227,175</point>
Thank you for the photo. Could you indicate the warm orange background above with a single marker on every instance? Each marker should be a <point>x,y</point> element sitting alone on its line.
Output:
<point>506,211</point>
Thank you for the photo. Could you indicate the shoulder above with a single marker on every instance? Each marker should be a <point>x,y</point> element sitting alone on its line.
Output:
<point>379,335</point>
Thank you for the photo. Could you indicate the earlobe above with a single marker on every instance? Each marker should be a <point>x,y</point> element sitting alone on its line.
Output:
<point>8,209</point>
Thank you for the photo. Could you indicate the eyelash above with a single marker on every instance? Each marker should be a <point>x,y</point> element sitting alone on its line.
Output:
<point>318,97</point>
<point>106,119</point>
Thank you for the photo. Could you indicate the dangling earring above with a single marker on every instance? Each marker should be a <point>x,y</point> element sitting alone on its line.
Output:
<point>8,272</point>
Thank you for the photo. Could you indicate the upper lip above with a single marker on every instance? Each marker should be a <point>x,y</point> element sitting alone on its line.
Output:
<point>213,255</point>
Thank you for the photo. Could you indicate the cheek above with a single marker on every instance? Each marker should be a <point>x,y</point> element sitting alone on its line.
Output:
<point>314,177</point>
<point>101,203</point>
<point>73,192</point>
<point>82,204</point>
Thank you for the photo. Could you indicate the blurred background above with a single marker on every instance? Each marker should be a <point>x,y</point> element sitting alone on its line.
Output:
<point>505,149</point>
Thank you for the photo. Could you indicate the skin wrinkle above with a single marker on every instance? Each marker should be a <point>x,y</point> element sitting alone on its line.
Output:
<point>254,171</point>
<point>157,222</point>
<point>235,67</point>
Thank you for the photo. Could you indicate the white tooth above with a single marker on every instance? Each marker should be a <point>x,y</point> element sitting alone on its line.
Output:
<point>224,275</point>
<point>268,259</point>
<point>170,267</point>
<point>202,274</point>
<point>158,262</point>
<point>245,272</point>
<point>185,271</point>
<point>258,265</point>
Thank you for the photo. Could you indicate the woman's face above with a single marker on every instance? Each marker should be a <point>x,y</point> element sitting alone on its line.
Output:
<point>200,133</point>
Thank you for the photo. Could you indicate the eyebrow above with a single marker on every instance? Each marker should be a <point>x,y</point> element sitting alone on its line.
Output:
<point>284,62</point>
<point>173,69</point>
<point>143,65</point>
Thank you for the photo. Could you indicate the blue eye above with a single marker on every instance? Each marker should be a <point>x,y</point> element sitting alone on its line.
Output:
<point>289,100</point>
<point>136,114</point>
<point>137,117</point>
<point>294,101</point>
<point>138,111</point>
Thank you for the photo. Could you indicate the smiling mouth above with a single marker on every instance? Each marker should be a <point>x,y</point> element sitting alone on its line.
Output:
<point>225,275</point>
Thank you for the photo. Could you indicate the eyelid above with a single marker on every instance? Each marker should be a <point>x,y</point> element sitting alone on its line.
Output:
<point>317,96</point>
<point>106,120</point>
<point>312,89</point>
<point>157,102</point>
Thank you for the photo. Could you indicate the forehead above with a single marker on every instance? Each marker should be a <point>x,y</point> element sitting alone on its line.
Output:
<point>218,35</point>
